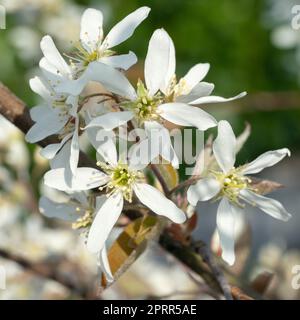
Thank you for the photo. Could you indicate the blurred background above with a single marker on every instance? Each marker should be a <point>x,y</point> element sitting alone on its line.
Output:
<point>251,46</point>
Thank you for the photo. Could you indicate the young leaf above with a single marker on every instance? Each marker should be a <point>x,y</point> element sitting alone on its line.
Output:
<point>130,244</point>
<point>169,174</point>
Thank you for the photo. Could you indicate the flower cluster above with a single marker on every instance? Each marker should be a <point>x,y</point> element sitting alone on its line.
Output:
<point>71,109</point>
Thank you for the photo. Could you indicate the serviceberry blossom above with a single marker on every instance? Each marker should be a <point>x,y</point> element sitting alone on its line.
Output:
<point>64,115</point>
<point>120,181</point>
<point>78,208</point>
<point>90,95</point>
<point>57,114</point>
<point>92,45</point>
<point>164,99</point>
<point>233,187</point>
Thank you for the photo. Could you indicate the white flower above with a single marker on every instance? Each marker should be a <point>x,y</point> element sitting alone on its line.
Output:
<point>62,79</point>
<point>74,208</point>
<point>233,187</point>
<point>149,104</point>
<point>121,180</point>
<point>95,48</point>
<point>78,209</point>
<point>160,75</point>
<point>92,47</point>
<point>163,99</point>
<point>56,115</point>
<point>60,112</point>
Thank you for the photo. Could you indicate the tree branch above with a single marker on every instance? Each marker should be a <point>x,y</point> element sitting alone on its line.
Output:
<point>216,270</point>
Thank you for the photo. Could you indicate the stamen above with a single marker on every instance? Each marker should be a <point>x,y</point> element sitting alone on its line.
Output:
<point>145,106</point>
<point>232,183</point>
<point>122,179</point>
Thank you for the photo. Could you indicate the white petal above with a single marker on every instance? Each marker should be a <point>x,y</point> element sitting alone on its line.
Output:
<point>185,115</point>
<point>91,32</point>
<point>38,112</point>
<point>61,158</point>
<point>157,142</point>
<point>49,67</point>
<point>45,127</point>
<point>217,99</point>
<point>72,101</point>
<point>104,143</point>
<point>85,179</point>
<point>39,86</point>
<point>267,159</point>
<point>112,120</point>
<point>226,217</point>
<point>122,61</point>
<point>203,190</point>
<point>53,56</point>
<point>104,221</point>
<point>100,201</point>
<point>272,207</point>
<point>112,79</point>
<point>52,75</point>
<point>159,138</point>
<point>159,62</point>
<point>196,74</point>
<point>51,150</point>
<point>201,89</point>
<point>104,265</point>
<point>64,211</point>
<point>125,28</point>
<point>81,197</point>
<point>224,146</point>
<point>158,203</point>
<point>74,152</point>
<point>140,155</point>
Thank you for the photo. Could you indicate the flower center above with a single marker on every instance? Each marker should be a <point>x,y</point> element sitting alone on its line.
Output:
<point>145,106</point>
<point>80,58</point>
<point>122,179</point>
<point>232,183</point>
<point>90,57</point>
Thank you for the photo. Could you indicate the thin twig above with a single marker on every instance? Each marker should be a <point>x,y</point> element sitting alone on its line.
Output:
<point>202,248</point>
<point>160,178</point>
<point>184,184</point>
<point>93,95</point>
